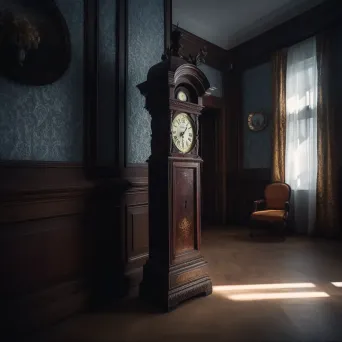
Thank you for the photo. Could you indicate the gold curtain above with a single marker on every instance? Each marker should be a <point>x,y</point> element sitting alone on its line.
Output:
<point>279,116</point>
<point>327,220</point>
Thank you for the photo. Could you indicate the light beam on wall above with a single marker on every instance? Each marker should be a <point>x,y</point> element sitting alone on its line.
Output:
<point>209,91</point>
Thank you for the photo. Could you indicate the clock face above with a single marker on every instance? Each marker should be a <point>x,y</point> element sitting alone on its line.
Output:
<point>181,96</point>
<point>183,132</point>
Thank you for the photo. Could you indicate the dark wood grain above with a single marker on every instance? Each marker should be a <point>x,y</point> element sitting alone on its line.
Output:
<point>42,207</point>
<point>185,207</point>
<point>57,227</point>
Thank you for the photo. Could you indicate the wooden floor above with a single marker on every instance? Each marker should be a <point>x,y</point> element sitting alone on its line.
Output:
<point>234,259</point>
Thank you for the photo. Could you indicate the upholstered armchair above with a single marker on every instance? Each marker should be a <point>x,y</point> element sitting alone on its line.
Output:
<point>273,210</point>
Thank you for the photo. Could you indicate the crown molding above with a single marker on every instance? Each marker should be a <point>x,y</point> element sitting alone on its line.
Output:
<point>216,58</point>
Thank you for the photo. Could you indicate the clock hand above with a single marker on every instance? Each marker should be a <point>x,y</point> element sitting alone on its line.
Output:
<point>182,133</point>
<point>185,129</point>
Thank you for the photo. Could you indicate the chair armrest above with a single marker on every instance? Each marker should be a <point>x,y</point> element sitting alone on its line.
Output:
<point>259,205</point>
<point>287,206</point>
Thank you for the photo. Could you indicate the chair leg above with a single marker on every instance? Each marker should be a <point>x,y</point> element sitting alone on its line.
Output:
<point>281,230</point>
<point>252,228</point>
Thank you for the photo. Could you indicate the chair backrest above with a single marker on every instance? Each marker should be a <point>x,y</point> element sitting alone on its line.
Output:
<point>276,194</point>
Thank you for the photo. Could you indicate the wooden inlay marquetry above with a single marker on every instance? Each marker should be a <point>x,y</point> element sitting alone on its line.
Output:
<point>185,209</point>
<point>185,234</point>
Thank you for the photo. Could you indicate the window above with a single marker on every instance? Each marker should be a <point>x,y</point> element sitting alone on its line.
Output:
<point>301,117</point>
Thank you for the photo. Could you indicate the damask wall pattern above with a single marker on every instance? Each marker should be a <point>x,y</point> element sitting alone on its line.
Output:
<point>145,48</point>
<point>106,82</point>
<point>46,123</point>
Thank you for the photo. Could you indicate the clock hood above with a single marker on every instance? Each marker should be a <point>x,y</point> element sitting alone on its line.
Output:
<point>176,71</point>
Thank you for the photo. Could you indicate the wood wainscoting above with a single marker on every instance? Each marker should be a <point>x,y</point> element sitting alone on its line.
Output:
<point>68,244</point>
<point>43,249</point>
<point>135,224</point>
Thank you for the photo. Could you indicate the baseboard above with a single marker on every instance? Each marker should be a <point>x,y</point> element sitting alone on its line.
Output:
<point>33,312</point>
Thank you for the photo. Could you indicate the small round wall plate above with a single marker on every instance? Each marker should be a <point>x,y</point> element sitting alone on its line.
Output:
<point>257,121</point>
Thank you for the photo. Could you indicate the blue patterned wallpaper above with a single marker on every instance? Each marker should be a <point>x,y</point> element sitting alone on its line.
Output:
<point>214,77</point>
<point>145,47</point>
<point>107,82</point>
<point>46,123</point>
<point>257,96</point>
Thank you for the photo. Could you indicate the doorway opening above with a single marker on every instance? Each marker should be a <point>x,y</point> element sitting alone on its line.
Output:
<point>209,151</point>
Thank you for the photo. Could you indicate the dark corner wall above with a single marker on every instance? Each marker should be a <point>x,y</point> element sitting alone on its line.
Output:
<point>215,78</point>
<point>257,97</point>
<point>67,233</point>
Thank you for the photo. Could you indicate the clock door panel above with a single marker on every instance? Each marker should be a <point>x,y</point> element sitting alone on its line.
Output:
<point>186,208</point>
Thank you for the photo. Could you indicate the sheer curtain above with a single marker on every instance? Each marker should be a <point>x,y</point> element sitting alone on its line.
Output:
<point>301,133</point>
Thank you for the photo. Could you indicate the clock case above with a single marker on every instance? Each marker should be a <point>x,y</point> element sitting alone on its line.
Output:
<point>176,270</point>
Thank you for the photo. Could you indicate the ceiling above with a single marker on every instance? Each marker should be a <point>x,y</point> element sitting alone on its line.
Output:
<point>228,23</point>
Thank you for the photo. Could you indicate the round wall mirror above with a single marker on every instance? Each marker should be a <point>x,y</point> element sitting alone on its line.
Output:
<point>257,121</point>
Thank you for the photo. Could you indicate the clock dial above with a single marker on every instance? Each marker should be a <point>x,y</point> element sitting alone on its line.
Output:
<point>183,132</point>
<point>181,96</point>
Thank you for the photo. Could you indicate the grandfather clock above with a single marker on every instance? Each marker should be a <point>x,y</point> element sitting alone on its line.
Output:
<point>175,271</point>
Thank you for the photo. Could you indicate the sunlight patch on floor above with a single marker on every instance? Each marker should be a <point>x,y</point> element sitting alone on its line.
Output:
<point>263,286</point>
<point>277,295</point>
<point>287,291</point>
<point>337,283</point>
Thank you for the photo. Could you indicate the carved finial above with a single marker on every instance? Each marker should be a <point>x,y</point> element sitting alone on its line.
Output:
<point>200,57</point>
<point>176,46</point>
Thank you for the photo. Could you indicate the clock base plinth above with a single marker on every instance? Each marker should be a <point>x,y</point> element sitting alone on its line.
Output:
<point>182,282</point>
